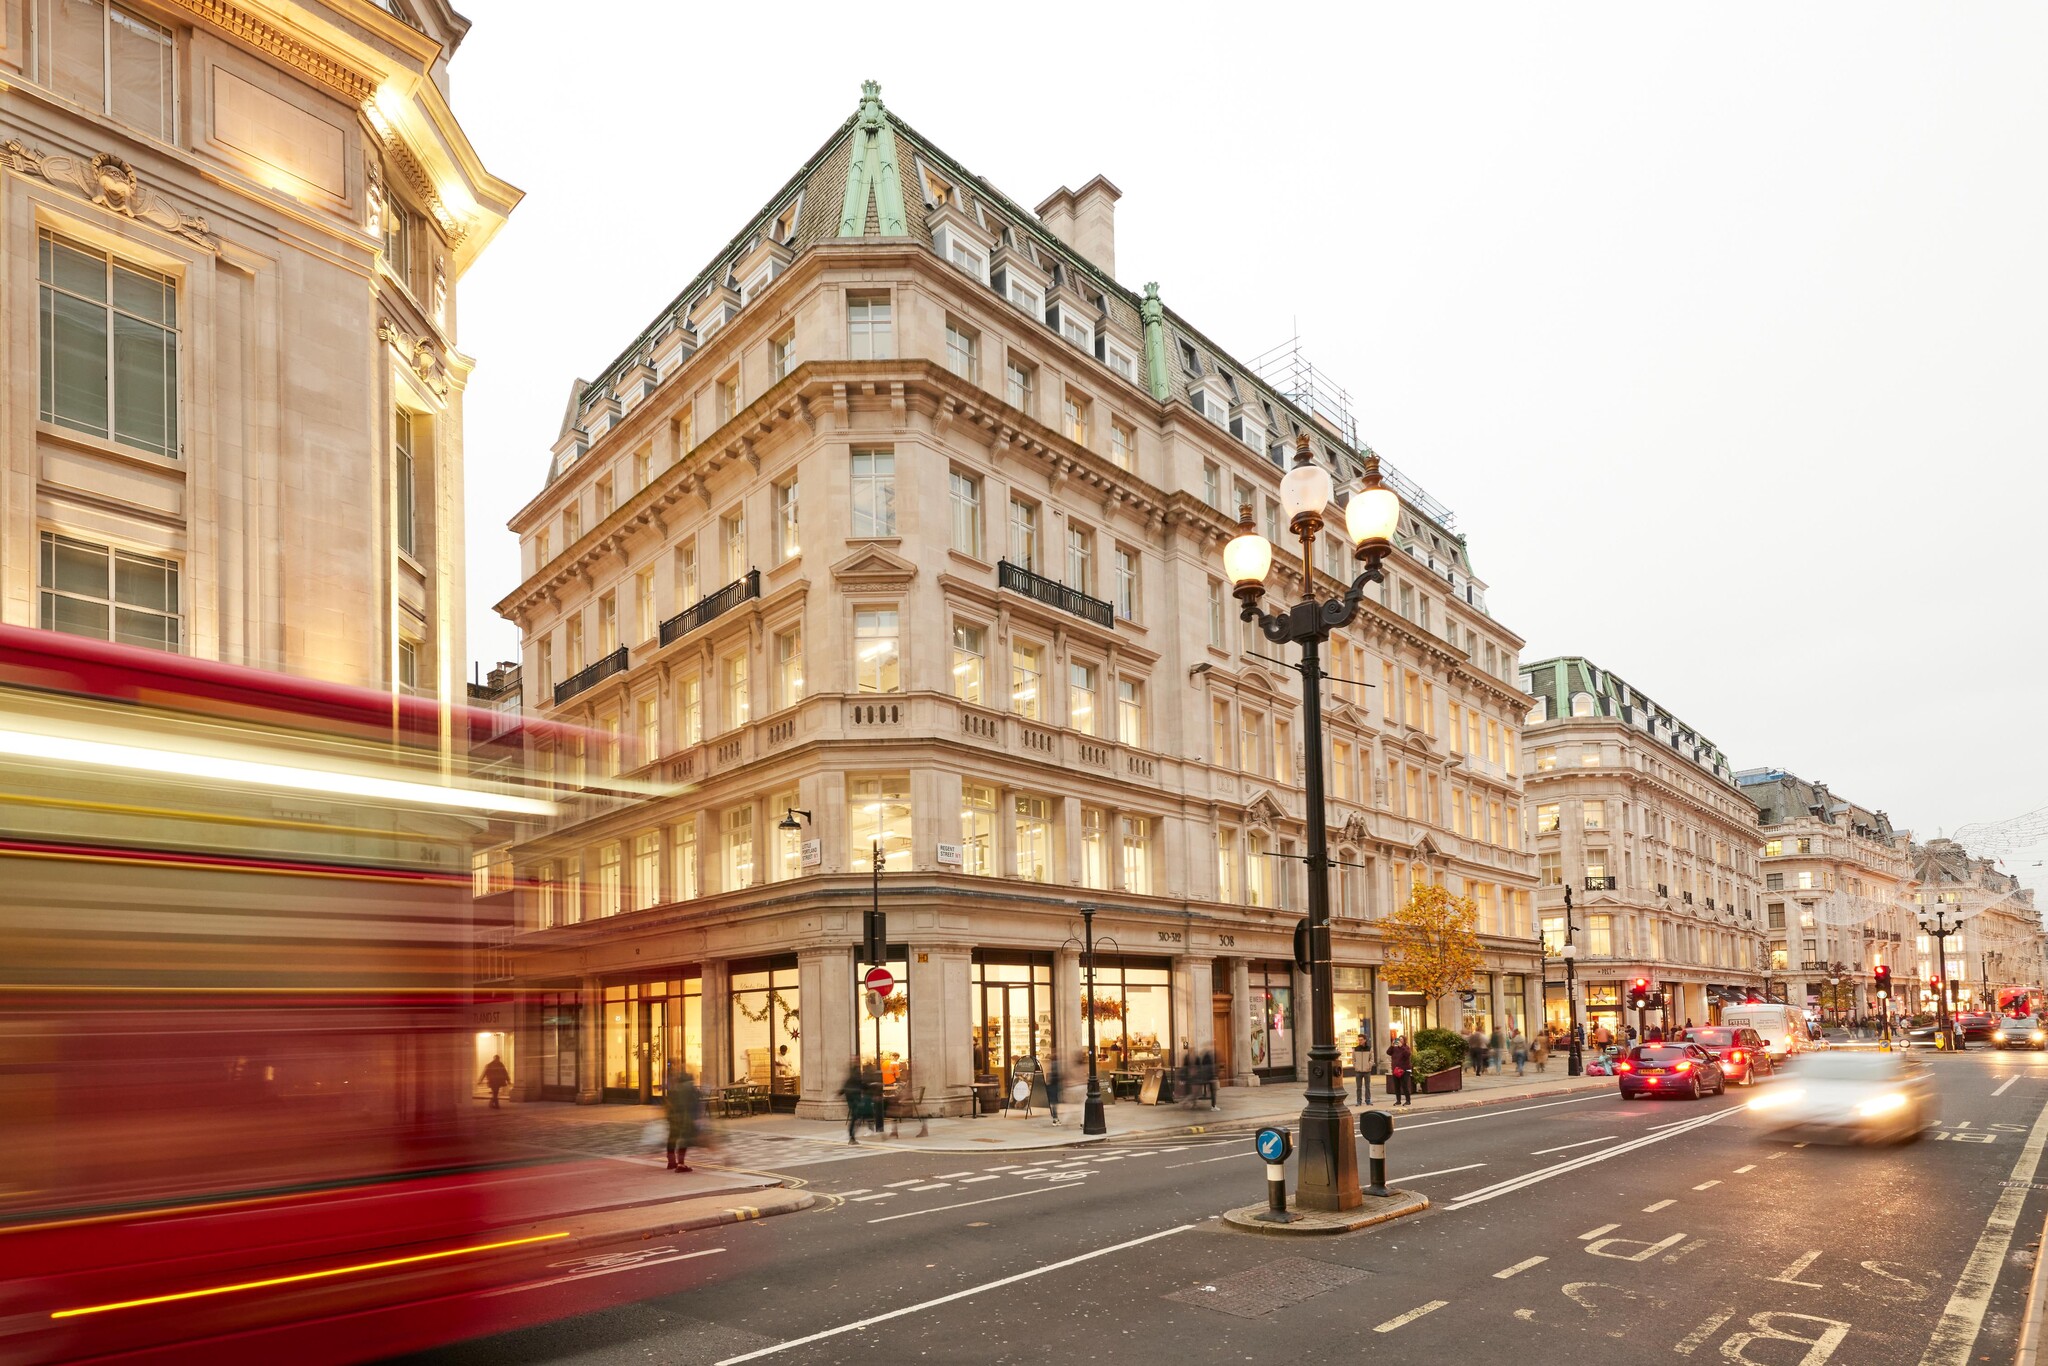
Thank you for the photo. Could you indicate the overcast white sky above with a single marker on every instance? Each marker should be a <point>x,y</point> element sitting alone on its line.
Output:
<point>1720,328</point>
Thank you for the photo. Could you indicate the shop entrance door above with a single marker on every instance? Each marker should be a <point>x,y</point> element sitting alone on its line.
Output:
<point>653,1048</point>
<point>1008,1032</point>
<point>1219,1010</point>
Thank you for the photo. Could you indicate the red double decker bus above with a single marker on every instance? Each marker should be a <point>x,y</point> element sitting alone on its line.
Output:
<point>235,1056</point>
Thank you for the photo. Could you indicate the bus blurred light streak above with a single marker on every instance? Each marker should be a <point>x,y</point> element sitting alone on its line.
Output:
<point>175,763</point>
<point>307,1276</point>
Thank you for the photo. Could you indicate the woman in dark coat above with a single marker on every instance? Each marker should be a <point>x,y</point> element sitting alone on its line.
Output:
<point>681,1101</point>
<point>1401,1070</point>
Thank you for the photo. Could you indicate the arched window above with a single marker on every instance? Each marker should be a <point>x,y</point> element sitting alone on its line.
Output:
<point>1583,705</point>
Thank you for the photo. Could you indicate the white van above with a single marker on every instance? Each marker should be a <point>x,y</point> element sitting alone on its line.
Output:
<point>1783,1028</point>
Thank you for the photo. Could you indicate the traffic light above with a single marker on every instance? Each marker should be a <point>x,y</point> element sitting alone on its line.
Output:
<point>1639,993</point>
<point>1883,974</point>
<point>875,937</point>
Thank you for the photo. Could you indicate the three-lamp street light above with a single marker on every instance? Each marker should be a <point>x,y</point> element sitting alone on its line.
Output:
<point>1935,921</point>
<point>1328,1177</point>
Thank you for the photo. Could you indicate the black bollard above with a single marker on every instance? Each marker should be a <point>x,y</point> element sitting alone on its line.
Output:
<point>1376,1127</point>
<point>1274,1145</point>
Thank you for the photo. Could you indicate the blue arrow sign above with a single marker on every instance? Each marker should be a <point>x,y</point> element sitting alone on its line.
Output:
<point>1272,1144</point>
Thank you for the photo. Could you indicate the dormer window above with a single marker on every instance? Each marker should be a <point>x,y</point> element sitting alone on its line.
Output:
<point>937,192</point>
<point>1120,359</point>
<point>960,250</point>
<point>1190,361</point>
<point>1027,297</point>
<point>1070,320</point>
<point>1077,332</point>
<point>1246,428</point>
<point>784,230</point>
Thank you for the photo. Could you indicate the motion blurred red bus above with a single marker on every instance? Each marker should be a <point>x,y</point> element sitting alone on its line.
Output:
<point>235,1059</point>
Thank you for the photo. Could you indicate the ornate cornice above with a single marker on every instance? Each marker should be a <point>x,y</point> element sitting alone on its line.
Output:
<point>419,354</point>
<point>111,183</point>
<point>344,80</point>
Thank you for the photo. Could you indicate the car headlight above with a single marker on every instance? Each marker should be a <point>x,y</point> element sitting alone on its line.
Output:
<point>1777,1100</point>
<point>1881,1105</point>
<point>1998,1036</point>
<point>2038,1036</point>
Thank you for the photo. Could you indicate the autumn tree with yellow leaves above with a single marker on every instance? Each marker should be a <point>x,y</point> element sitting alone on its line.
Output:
<point>1433,942</point>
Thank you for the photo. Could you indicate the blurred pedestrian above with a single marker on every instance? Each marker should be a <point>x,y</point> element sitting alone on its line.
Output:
<point>496,1076</point>
<point>871,1082</point>
<point>683,1104</point>
<point>909,1100</point>
<point>1475,1050</point>
<point>854,1090</point>
<point>1519,1048</point>
<point>1054,1076</point>
<point>1206,1074</point>
<point>1400,1064</point>
<point>1539,1050</point>
<point>1497,1049</point>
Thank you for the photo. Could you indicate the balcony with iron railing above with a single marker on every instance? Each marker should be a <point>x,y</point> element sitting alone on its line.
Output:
<point>1017,579</point>
<point>711,606</point>
<point>1602,884</point>
<point>582,679</point>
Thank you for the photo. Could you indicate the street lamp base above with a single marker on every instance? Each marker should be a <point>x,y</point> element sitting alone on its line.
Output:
<point>1327,1176</point>
<point>1092,1121</point>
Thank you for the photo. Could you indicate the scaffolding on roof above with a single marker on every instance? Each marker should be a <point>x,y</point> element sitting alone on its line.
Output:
<point>1295,378</point>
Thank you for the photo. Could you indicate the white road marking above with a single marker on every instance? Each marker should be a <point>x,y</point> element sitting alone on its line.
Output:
<point>893,1185</point>
<point>1011,1168</point>
<point>989,1200</point>
<point>1176,1148</point>
<point>601,1271</point>
<point>863,1199</point>
<point>859,1324</point>
<point>1706,1185</point>
<point>1691,1342</point>
<point>1694,1246</point>
<point>1519,1267</point>
<point>1750,1168</point>
<point>1582,1143</point>
<point>2008,1081</point>
<point>1672,1125</point>
<point>1773,1157</point>
<point>970,1180</point>
<point>1149,1152</point>
<point>1595,1233</point>
<point>1955,1337</point>
<point>1109,1159</point>
<point>1572,1164</point>
<point>1444,1171</point>
<point>1495,1114</point>
<point>952,1176</point>
<point>1413,1314</point>
<point>857,1190</point>
<point>933,1186</point>
<point>1201,1160</point>
<point>1652,1209</point>
<point>1786,1276</point>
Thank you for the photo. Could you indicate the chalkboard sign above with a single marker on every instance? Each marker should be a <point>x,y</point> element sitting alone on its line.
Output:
<point>1148,1094</point>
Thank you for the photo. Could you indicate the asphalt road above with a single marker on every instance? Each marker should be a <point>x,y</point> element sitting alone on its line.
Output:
<point>1577,1230</point>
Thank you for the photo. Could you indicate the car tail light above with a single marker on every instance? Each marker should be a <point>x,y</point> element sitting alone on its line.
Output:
<point>1736,1056</point>
<point>1685,1065</point>
<point>1624,1067</point>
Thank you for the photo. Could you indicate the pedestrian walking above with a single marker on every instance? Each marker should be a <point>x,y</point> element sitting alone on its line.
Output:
<point>683,1105</point>
<point>1539,1051</point>
<point>1054,1075</point>
<point>854,1090</point>
<point>1206,1073</point>
<point>496,1076</point>
<point>1497,1049</point>
<point>1361,1068</point>
<point>871,1081</point>
<point>1519,1048</point>
<point>1400,1064</point>
<point>1475,1050</point>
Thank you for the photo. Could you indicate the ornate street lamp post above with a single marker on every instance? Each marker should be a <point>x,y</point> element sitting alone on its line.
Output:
<point>1575,1065</point>
<point>1328,1177</point>
<point>1935,922</point>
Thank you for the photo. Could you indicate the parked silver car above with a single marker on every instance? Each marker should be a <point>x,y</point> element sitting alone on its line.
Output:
<point>1846,1097</point>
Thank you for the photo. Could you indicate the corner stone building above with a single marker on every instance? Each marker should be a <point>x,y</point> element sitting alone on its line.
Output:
<point>229,245</point>
<point>1639,814</point>
<point>901,528</point>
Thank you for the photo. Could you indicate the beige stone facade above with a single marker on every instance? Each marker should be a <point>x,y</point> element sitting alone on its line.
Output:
<point>907,518</point>
<point>1997,959</point>
<point>229,247</point>
<point>1639,815</point>
<point>1838,895</point>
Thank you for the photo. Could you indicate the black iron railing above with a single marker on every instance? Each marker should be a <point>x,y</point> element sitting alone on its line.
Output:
<point>1601,884</point>
<point>613,663</point>
<point>1038,588</point>
<point>716,605</point>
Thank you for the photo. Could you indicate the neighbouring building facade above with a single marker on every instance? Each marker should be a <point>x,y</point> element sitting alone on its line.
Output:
<point>897,538</point>
<point>1638,813</point>
<point>229,247</point>
<point>1838,894</point>
<point>1996,962</point>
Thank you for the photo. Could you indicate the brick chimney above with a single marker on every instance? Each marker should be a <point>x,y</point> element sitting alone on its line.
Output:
<point>1085,219</point>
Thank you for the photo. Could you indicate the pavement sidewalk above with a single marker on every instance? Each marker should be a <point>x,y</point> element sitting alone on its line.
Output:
<point>615,1128</point>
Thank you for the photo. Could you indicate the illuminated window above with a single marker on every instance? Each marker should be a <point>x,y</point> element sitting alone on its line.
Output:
<point>646,869</point>
<point>1027,680</point>
<point>1094,848</point>
<point>788,542</point>
<point>683,858</point>
<point>109,594</point>
<point>738,826</point>
<point>870,334</point>
<point>1137,854</point>
<point>877,660</point>
<point>874,492</point>
<point>689,711</point>
<point>610,888</point>
<point>789,666</point>
<point>1130,712</point>
<point>1083,688</point>
<point>978,830</point>
<point>1033,816</point>
<point>970,649</point>
<point>878,812</point>
<point>109,344</point>
<point>967,527</point>
<point>1546,818</point>
<point>738,699</point>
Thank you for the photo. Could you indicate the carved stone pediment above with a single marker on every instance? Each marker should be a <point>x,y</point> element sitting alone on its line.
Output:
<point>1263,811</point>
<point>1425,848</point>
<point>875,567</point>
<point>1346,714</point>
<point>112,184</point>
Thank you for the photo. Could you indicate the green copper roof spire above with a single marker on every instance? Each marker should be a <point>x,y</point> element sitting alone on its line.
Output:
<point>1154,314</point>
<point>872,170</point>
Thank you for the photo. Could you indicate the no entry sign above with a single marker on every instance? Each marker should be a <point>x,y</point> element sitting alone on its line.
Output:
<point>878,979</point>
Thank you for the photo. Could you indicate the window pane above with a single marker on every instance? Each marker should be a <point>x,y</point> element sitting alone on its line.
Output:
<point>144,373</point>
<point>77,33</point>
<point>74,616</point>
<point>145,294</point>
<point>73,567</point>
<point>74,363</point>
<point>146,628</point>
<point>139,55</point>
<point>73,268</point>
<point>140,582</point>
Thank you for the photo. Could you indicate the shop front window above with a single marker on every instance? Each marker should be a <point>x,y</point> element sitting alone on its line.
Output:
<point>765,1027</point>
<point>650,1027</point>
<point>1514,1002</point>
<point>561,1020</point>
<point>1010,1024</point>
<point>884,1039</point>
<point>1133,1009</point>
<point>1351,999</point>
<point>1272,1026</point>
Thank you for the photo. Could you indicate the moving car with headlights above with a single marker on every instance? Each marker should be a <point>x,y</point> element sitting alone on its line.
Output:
<point>1975,1024</point>
<point>1847,1097</point>
<point>2021,1031</point>
<point>1670,1069</point>
<point>1739,1049</point>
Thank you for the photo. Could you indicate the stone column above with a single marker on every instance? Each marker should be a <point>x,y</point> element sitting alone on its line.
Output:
<point>1241,1017</point>
<point>825,981</point>
<point>716,1017</point>
<point>1070,1028</point>
<point>590,1045</point>
<point>1382,1017</point>
<point>1194,982</point>
<point>941,1049</point>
